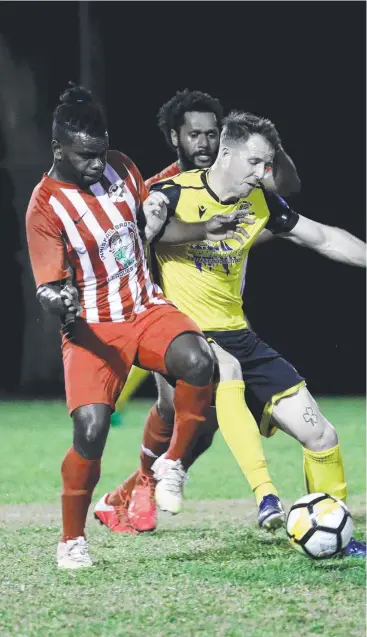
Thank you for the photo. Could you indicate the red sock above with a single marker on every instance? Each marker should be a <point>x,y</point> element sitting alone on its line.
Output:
<point>191,405</point>
<point>79,478</point>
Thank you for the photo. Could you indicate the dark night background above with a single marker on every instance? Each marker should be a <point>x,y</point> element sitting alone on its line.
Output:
<point>300,64</point>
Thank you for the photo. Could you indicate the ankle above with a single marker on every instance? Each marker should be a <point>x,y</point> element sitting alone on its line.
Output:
<point>66,538</point>
<point>264,489</point>
<point>145,478</point>
<point>118,497</point>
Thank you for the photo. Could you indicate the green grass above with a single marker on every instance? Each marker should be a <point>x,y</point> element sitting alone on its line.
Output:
<point>207,572</point>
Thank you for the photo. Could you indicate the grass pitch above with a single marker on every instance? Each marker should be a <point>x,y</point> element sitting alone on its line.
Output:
<point>207,572</point>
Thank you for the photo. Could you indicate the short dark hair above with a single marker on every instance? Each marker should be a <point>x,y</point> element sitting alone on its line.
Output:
<point>239,125</point>
<point>171,114</point>
<point>78,113</point>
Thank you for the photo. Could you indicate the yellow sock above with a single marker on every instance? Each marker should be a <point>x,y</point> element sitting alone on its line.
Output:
<point>324,472</point>
<point>134,380</point>
<point>242,436</point>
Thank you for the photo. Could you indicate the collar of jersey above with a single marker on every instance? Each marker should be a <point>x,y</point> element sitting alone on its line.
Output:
<point>227,202</point>
<point>55,184</point>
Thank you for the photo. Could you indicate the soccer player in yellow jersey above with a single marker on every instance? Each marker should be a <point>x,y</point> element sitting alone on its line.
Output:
<point>190,122</point>
<point>203,279</point>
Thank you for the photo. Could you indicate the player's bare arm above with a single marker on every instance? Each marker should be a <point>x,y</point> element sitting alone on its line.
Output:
<point>283,179</point>
<point>263,237</point>
<point>217,228</point>
<point>334,243</point>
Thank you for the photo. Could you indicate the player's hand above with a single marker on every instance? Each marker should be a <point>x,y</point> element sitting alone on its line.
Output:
<point>70,299</point>
<point>230,226</point>
<point>155,212</point>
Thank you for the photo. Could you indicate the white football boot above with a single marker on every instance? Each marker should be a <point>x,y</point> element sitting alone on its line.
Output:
<point>73,554</point>
<point>171,478</point>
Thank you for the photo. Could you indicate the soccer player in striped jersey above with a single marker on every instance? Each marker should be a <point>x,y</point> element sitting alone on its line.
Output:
<point>204,280</point>
<point>87,216</point>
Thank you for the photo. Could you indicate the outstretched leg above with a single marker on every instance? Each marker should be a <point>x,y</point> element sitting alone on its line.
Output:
<point>299,415</point>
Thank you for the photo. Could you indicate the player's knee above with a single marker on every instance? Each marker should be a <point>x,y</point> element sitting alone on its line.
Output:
<point>322,437</point>
<point>91,426</point>
<point>228,366</point>
<point>230,370</point>
<point>199,367</point>
<point>190,358</point>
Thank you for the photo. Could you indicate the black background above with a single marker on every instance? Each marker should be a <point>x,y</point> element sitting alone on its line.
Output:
<point>300,64</point>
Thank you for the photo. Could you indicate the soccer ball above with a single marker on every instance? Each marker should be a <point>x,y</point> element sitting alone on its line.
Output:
<point>319,525</point>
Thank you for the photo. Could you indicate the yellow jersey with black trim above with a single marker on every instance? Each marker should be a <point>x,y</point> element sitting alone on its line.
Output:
<point>203,279</point>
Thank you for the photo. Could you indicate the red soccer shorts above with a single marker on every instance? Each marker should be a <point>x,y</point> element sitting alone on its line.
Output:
<point>98,360</point>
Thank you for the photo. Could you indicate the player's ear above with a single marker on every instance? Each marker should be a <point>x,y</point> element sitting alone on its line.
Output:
<point>174,138</point>
<point>225,155</point>
<point>56,149</point>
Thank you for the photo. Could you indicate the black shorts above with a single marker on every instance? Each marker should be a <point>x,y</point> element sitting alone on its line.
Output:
<point>264,371</point>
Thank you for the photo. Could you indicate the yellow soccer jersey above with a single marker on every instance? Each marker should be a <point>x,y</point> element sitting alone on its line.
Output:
<point>204,279</point>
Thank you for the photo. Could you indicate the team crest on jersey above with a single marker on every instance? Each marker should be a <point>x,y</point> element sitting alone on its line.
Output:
<point>123,249</point>
<point>117,191</point>
<point>121,242</point>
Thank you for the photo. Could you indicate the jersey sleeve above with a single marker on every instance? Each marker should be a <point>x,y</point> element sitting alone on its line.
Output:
<point>282,217</point>
<point>172,192</point>
<point>45,244</point>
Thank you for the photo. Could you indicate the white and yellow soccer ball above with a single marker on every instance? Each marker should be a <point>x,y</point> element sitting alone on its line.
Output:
<point>319,525</point>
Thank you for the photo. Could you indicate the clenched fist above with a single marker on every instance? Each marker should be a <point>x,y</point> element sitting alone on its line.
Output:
<point>155,212</point>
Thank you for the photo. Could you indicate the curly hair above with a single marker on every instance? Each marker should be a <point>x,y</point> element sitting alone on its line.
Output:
<point>171,114</point>
<point>78,113</point>
<point>239,126</point>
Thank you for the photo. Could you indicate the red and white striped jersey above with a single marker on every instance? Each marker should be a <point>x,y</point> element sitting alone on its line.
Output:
<point>96,235</point>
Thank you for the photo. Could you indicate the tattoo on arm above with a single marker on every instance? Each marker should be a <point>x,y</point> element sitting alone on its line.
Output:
<point>310,417</point>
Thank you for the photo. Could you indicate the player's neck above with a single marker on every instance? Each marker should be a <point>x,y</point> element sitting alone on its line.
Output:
<point>218,184</point>
<point>183,163</point>
<point>59,175</point>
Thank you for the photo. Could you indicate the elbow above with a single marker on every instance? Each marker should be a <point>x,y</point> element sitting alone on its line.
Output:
<point>325,248</point>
